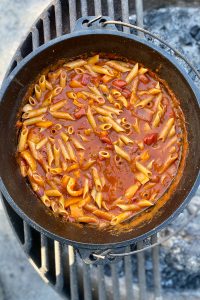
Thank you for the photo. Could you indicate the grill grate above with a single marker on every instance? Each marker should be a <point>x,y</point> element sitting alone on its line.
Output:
<point>59,265</point>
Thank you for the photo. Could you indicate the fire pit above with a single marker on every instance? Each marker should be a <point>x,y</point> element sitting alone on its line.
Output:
<point>138,275</point>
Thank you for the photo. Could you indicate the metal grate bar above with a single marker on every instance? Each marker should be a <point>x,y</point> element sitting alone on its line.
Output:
<point>27,237</point>
<point>87,282</point>
<point>58,18</point>
<point>115,282</point>
<point>84,8</point>
<point>58,266</point>
<point>128,275</point>
<point>72,14</point>
<point>110,8</point>
<point>139,15</point>
<point>73,274</point>
<point>44,254</point>
<point>141,272</point>
<point>46,25</point>
<point>125,14</point>
<point>35,38</point>
<point>101,283</point>
<point>156,270</point>
<point>97,7</point>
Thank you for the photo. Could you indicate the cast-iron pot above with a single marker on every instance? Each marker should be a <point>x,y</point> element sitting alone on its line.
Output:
<point>84,40</point>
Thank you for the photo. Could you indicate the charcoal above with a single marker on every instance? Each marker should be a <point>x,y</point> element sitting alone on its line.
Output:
<point>194,30</point>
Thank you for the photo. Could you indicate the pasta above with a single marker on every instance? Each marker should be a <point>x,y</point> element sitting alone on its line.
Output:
<point>99,138</point>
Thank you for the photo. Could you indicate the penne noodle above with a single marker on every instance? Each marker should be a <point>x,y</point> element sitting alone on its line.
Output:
<point>122,153</point>
<point>71,151</point>
<point>41,143</point>
<point>48,85</point>
<point>88,164</point>
<point>126,139</point>
<point>91,119</point>
<point>27,107</point>
<point>165,131</point>
<point>97,180</point>
<point>136,125</point>
<point>141,178</point>
<point>34,113</point>
<point>57,105</point>
<point>132,74</point>
<point>55,92</point>
<point>32,101</point>
<point>75,64</point>
<point>63,150</point>
<point>33,150</point>
<point>38,179</point>
<point>144,102</point>
<point>169,161</point>
<point>105,126</point>
<point>42,83</point>
<point>44,124</point>
<point>63,78</point>
<point>117,66</point>
<point>130,192</point>
<point>143,169</point>
<point>129,207</point>
<point>144,203</point>
<point>93,60</point>
<point>142,71</point>
<point>112,109</point>
<point>102,111</point>
<point>56,154</point>
<point>101,70</point>
<point>45,199</point>
<point>62,115</point>
<point>103,214</point>
<point>172,132</point>
<point>87,219</point>
<point>71,201</point>
<point>29,159</point>
<point>86,188</point>
<point>89,69</point>
<point>23,168</point>
<point>47,101</point>
<point>98,199</point>
<point>55,171</point>
<point>77,144</point>
<point>104,154</point>
<point>114,124</point>
<point>53,193</point>
<point>33,120</point>
<point>104,88</point>
<point>121,218</point>
<point>23,139</point>
<point>64,137</point>
<point>50,155</point>
<point>153,91</point>
<point>38,92</point>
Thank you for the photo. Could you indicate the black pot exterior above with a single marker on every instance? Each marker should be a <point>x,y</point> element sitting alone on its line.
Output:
<point>12,184</point>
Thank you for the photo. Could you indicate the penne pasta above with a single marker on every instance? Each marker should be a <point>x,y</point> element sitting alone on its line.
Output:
<point>23,139</point>
<point>132,74</point>
<point>91,119</point>
<point>97,180</point>
<point>130,192</point>
<point>57,105</point>
<point>75,64</point>
<point>143,169</point>
<point>62,115</point>
<point>122,153</point>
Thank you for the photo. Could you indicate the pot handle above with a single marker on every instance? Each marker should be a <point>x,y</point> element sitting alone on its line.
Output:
<point>107,256</point>
<point>92,23</point>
